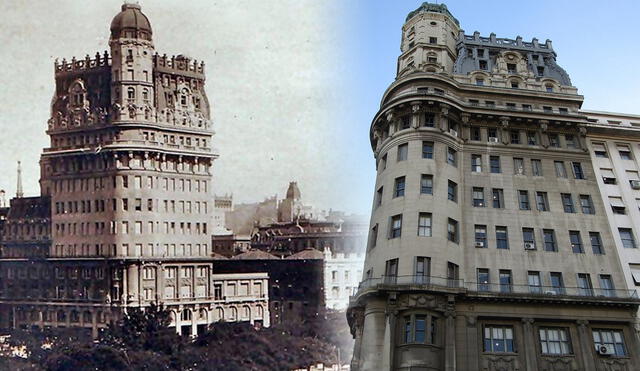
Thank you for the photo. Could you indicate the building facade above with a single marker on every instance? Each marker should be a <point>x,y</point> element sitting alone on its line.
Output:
<point>614,144</point>
<point>490,246</point>
<point>125,213</point>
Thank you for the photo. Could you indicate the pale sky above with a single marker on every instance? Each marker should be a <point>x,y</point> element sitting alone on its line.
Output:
<point>294,84</point>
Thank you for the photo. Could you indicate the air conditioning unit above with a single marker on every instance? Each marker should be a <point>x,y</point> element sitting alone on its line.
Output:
<point>529,246</point>
<point>453,132</point>
<point>479,244</point>
<point>493,140</point>
<point>605,350</point>
<point>551,292</point>
<point>635,184</point>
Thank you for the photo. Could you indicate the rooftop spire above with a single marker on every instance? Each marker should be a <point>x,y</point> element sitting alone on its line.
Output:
<point>19,191</point>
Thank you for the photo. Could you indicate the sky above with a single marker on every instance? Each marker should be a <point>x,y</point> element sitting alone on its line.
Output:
<point>294,84</point>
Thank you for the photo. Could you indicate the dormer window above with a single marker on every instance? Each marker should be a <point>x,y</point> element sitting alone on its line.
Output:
<point>540,70</point>
<point>514,85</point>
<point>433,40</point>
<point>549,88</point>
<point>432,59</point>
<point>480,82</point>
<point>483,65</point>
<point>480,53</point>
<point>511,68</point>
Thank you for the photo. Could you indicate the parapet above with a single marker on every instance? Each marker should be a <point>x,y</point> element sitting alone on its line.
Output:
<point>179,64</point>
<point>82,64</point>
<point>493,41</point>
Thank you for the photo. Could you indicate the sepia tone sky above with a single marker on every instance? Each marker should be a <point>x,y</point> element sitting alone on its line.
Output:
<point>293,84</point>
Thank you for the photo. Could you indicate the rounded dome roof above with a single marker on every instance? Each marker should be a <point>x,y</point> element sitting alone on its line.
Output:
<point>131,18</point>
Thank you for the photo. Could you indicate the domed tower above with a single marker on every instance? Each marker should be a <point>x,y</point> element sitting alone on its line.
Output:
<point>131,64</point>
<point>476,249</point>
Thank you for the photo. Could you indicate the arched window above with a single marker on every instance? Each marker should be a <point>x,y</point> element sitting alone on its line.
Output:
<point>549,87</point>
<point>75,316</point>
<point>234,314</point>
<point>259,311</point>
<point>220,314</point>
<point>62,316</point>
<point>203,314</point>
<point>86,316</point>
<point>246,312</point>
<point>145,94</point>
<point>186,315</point>
<point>131,93</point>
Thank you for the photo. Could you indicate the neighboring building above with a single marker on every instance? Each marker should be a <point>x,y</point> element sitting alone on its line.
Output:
<point>342,274</point>
<point>125,213</point>
<point>229,244</point>
<point>490,247</point>
<point>296,287</point>
<point>221,206</point>
<point>614,144</point>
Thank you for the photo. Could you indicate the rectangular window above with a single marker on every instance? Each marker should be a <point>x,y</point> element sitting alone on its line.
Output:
<point>532,138</point>
<point>429,120</point>
<point>391,271</point>
<point>452,230</point>
<point>424,224</point>
<point>626,235</point>
<point>497,196</point>
<point>585,288</point>
<point>542,201</point>
<point>533,278</point>
<point>571,141</point>
<point>554,141</point>
<point>536,167</point>
<point>492,135</point>
<point>481,235</point>
<point>506,281</point>
<point>518,166</point>
<point>451,156</point>
<point>577,170</point>
<point>576,242</point>
<point>606,286</point>
<point>499,339</point>
<point>433,40</point>
<point>475,132</point>
<point>379,196</point>
<point>403,151</point>
<point>529,238</point>
<point>555,341</point>
<point>600,150</point>
<point>452,191</point>
<point>612,340</point>
<point>374,236</point>
<point>423,269</point>
<point>383,163</point>
<point>494,164</point>
<point>549,237</point>
<point>586,204</point>
<point>596,243</point>
<point>567,203</point>
<point>617,205</point>
<point>427,150</point>
<point>557,283</point>
<point>523,200</point>
<point>396,226</point>
<point>483,279</point>
<point>426,184</point>
<point>398,189</point>
<point>476,163</point>
<point>608,176</point>
<point>502,237</point>
<point>515,137</point>
<point>561,171</point>
<point>478,197</point>
<point>625,152</point>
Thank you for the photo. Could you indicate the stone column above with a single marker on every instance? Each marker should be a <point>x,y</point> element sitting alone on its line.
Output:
<point>471,343</point>
<point>373,332</point>
<point>94,324</point>
<point>466,127</point>
<point>194,321</point>
<point>356,331</point>
<point>387,353</point>
<point>529,337</point>
<point>133,289</point>
<point>450,338</point>
<point>504,130</point>
<point>586,346</point>
<point>542,132</point>
<point>443,119</point>
<point>391,120</point>
<point>415,117</point>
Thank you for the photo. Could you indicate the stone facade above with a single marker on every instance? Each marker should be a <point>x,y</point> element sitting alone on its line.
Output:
<point>125,213</point>
<point>490,246</point>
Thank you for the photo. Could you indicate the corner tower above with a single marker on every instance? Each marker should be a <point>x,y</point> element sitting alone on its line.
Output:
<point>488,235</point>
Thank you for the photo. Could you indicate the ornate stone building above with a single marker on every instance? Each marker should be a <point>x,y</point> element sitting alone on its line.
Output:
<point>126,208</point>
<point>490,247</point>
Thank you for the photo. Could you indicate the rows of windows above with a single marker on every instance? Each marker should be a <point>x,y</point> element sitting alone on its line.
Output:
<point>553,340</point>
<point>127,227</point>
<point>134,204</point>
<point>135,181</point>
<point>624,151</point>
<point>139,249</point>
<point>174,139</point>
<point>58,273</point>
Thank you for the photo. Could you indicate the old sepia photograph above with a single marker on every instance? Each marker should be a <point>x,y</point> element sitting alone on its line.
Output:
<point>306,185</point>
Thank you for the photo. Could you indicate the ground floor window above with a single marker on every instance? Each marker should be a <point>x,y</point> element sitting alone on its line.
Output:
<point>499,339</point>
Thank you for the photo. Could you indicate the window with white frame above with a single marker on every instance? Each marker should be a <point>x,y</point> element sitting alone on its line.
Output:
<point>555,341</point>
<point>499,339</point>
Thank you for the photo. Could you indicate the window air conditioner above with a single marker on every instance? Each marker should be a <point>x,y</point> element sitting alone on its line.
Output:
<point>479,244</point>
<point>493,139</point>
<point>529,246</point>
<point>550,292</point>
<point>635,184</point>
<point>605,350</point>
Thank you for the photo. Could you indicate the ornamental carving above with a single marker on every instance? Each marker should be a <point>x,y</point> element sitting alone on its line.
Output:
<point>615,364</point>
<point>501,363</point>
<point>558,364</point>
<point>422,301</point>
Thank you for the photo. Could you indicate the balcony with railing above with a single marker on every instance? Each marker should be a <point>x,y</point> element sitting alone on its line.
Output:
<point>495,291</point>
